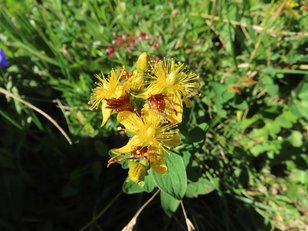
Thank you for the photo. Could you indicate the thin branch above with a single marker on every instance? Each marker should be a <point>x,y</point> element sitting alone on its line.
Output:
<point>132,222</point>
<point>100,213</point>
<point>189,225</point>
<point>9,94</point>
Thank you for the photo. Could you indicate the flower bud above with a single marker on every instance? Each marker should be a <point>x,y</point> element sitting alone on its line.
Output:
<point>142,62</point>
<point>136,81</point>
<point>136,172</point>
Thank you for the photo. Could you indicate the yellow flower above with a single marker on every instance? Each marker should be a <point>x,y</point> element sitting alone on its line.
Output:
<point>288,7</point>
<point>149,138</point>
<point>169,80</point>
<point>110,93</point>
<point>168,106</point>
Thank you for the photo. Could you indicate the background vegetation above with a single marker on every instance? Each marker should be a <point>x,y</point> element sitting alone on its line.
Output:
<point>244,139</point>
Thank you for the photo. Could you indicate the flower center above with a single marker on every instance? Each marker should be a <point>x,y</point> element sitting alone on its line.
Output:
<point>150,133</point>
<point>171,78</point>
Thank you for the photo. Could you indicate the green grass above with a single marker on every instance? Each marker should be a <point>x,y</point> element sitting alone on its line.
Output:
<point>250,144</point>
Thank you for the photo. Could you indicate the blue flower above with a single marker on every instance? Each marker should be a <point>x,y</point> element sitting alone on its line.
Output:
<point>3,61</point>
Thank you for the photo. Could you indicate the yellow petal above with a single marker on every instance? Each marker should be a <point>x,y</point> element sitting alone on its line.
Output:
<point>97,97</point>
<point>156,159</point>
<point>130,146</point>
<point>118,92</point>
<point>153,89</point>
<point>174,108</point>
<point>150,117</point>
<point>106,113</point>
<point>131,121</point>
<point>136,172</point>
<point>172,141</point>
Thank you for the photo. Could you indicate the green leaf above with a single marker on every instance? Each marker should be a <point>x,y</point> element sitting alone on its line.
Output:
<point>149,184</point>
<point>201,187</point>
<point>168,203</point>
<point>197,134</point>
<point>296,139</point>
<point>186,157</point>
<point>300,176</point>
<point>204,126</point>
<point>131,187</point>
<point>300,108</point>
<point>302,90</point>
<point>270,86</point>
<point>242,105</point>
<point>174,181</point>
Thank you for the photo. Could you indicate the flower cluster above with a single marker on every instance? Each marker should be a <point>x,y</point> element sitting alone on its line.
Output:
<point>148,102</point>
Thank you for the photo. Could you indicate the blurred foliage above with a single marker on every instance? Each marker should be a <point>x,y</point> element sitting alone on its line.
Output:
<point>244,140</point>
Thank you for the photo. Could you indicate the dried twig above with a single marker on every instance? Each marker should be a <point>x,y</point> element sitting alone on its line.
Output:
<point>100,213</point>
<point>266,24</point>
<point>271,31</point>
<point>9,94</point>
<point>132,222</point>
<point>189,225</point>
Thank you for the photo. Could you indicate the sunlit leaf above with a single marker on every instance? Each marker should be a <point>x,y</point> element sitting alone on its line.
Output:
<point>174,181</point>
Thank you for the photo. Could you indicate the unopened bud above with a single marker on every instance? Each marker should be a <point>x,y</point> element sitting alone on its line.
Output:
<point>142,62</point>
<point>136,172</point>
<point>136,81</point>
